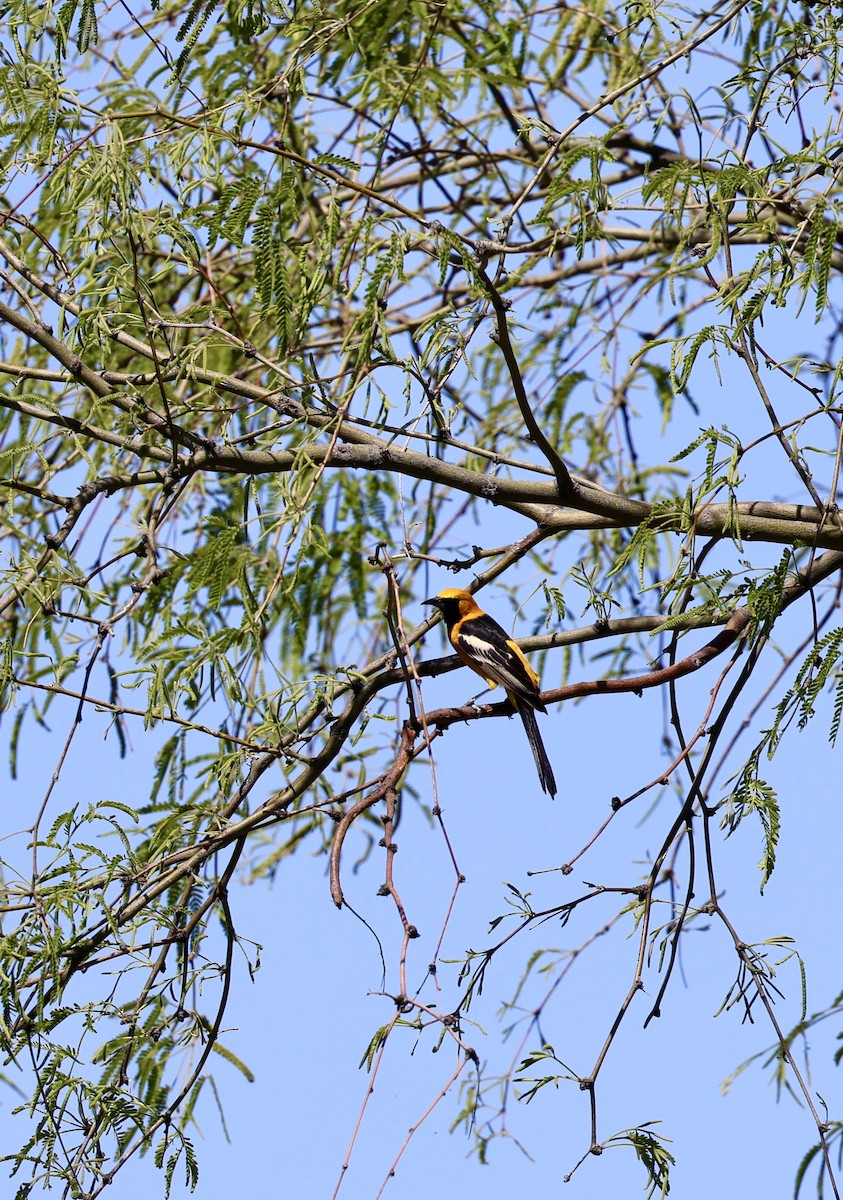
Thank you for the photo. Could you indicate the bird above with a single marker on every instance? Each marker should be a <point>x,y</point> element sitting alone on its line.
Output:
<point>487,648</point>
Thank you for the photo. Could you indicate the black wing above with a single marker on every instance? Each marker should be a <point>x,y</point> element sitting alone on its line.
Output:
<point>484,645</point>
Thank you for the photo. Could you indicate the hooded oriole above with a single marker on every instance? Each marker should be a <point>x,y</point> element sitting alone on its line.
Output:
<point>484,646</point>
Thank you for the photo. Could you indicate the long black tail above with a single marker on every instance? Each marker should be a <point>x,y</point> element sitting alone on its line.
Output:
<point>543,766</point>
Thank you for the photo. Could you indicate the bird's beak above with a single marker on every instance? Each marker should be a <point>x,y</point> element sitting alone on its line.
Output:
<point>434,601</point>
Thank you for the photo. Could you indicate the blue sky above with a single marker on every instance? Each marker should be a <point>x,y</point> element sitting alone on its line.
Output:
<point>303,1024</point>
